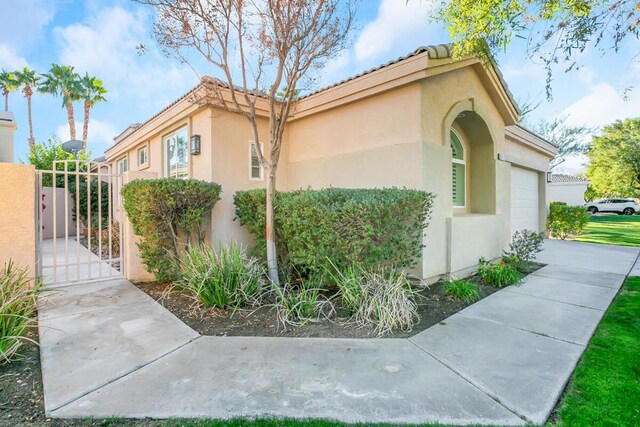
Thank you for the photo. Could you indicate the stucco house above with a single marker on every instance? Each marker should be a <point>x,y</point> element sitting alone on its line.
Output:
<point>423,121</point>
<point>567,188</point>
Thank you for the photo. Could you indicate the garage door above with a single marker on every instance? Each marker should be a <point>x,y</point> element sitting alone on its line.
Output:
<point>524,200</point>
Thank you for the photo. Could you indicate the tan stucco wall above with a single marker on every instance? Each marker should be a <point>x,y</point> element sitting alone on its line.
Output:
<point>18,215</point>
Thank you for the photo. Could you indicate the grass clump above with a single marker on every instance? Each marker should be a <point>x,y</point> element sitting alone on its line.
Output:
<point>463,290</point>
<point>298,304</point>
<point>224,278</point>
<point>17,310</point>
<point>498,274</point>
<point>381,297</point>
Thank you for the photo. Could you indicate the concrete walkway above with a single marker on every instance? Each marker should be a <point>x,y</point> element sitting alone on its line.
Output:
<point>108,349</point>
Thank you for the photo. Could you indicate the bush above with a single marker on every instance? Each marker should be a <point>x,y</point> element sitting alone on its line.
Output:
<point>298,304</point>
<point>565,221</point>
<point>463,290</point>
<point>367,227</point>
<point>17,310</point>
<point>168,214</point>
<point>227,278</point>
<point>382,298</point>
<point>97,204</point>
<point>498,274</point>
<point>525,244</point>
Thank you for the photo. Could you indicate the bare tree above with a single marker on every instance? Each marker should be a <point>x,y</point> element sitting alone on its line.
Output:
<point>264,50</point>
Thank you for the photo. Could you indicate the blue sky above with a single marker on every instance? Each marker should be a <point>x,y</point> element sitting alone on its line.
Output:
<point>100,36</point>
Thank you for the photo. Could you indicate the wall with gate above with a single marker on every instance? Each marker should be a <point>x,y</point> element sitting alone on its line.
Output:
<point>18,215</point>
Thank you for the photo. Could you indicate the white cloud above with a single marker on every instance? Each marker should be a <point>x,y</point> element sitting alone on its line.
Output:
<point>105,46</point>
<point>23,22</point>
<point>602,105</point>
<point>100,135</point>
<point>397,23</point>
<point>9,60</point>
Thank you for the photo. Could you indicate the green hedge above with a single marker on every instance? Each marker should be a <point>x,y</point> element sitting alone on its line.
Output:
<point>168,214</point>
<point>346,226</point>
<point>564,221</point>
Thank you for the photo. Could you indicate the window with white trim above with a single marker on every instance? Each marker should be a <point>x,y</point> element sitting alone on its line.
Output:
<point>255,168</point>
<point>459,171</point>
<point>177,154</point>
<point>143,156</point>
<point>122,165</point>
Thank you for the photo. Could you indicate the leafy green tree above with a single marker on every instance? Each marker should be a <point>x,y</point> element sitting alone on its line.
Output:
<point>614,167</point>
<point>92,92</point>
<point>28,80</point>
<point>556,30</point>
<point>43,156</point>
<point>63,81</point>
<point>8,83</point>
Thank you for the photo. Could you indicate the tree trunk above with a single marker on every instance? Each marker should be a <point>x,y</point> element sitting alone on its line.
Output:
<point>6,100</point>
<point>72,123</point>
<point>272,256</point>
<point>32,141</point>
<point>85,126</point>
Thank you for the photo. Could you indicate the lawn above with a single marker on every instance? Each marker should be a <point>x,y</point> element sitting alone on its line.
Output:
<point>621,230</point>
<point>605,388</point>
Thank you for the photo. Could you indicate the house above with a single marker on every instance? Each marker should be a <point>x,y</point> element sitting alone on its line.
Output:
<point>567,188</point>
<point>423,121</point>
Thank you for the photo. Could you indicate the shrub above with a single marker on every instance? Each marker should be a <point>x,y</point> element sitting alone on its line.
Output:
<point>565,221</point>
<point>463,290</point>
<point>227,278</point>
<point>168,214</point>
<point>525,244</point>
<point>44,154</point>
<point>498,274</point>
<point>367,227</point>
<point>382,298</point>
<point>298,304</point>
<point>17,310</point>
<point>98,205</point>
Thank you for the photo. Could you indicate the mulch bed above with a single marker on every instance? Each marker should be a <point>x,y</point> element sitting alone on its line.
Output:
<point>433,307</point>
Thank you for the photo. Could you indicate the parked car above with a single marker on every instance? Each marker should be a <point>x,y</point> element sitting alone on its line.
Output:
<point>619,206</point>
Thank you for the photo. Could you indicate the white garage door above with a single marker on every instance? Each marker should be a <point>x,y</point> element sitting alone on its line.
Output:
<point>524,200</point>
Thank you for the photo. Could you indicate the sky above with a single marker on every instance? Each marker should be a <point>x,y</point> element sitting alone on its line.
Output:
<point>100,37</point>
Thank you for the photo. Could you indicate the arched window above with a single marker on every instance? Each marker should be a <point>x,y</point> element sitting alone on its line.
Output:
<point>459,170</point>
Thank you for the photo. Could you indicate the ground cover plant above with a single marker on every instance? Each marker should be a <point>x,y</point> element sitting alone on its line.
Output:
<point>463,290</point>
<point>564,221</point>
<point>168,214</point>
<point>498,274</point>
<point>17,310</point>
<point>605,388</point>
<point>621,230</point>
<point>223,278</point>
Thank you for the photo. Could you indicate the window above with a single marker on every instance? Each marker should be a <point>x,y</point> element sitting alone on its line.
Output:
<point>122,165</point>
<point>177,150</point>
<point>459,173</point>
<point>255,169</point>
<point>143,156</point>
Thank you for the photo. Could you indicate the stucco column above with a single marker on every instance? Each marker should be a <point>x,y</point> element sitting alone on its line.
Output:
<point>134,269</point>
<point>18,216</point>
<point>7,128</point>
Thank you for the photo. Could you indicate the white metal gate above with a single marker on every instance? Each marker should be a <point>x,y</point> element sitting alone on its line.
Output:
<point>79,223</point>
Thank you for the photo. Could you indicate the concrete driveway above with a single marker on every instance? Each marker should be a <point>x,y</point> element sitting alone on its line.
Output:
<point>108,349</point>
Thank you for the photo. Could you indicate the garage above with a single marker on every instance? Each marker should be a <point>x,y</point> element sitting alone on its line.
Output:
<point>524,200</point>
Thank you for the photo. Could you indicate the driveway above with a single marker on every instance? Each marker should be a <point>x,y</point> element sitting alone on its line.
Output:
<point>108,349</point>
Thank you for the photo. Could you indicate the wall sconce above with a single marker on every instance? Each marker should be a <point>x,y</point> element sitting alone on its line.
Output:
<point>501,157</point>
<point>549,174</point>
<point>195,145</point>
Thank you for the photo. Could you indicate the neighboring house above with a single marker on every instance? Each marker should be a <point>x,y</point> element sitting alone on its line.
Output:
<point>567,188</point>
<point>423,121</point>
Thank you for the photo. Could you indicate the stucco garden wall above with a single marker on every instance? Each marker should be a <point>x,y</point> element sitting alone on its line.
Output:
<point>18,215</point>
<point>572,193</point>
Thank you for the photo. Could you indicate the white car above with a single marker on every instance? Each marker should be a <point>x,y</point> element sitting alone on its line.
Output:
<point>619,206</point>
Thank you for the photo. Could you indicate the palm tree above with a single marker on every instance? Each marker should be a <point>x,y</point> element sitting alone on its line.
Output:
<point>8,83</point>
<point>28,79</point>
<point>93,91</point>
<point>63,80</point>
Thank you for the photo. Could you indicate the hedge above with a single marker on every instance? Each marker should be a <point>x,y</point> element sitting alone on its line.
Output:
<point>564,221</point>
<point>368,227</point>
<point>168,214</point>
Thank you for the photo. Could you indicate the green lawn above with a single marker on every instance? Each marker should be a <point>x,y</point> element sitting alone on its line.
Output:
<point>605,388</point>
<point>612,230</point>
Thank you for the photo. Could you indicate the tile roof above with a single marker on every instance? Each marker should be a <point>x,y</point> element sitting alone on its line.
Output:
<point>559,177</point>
